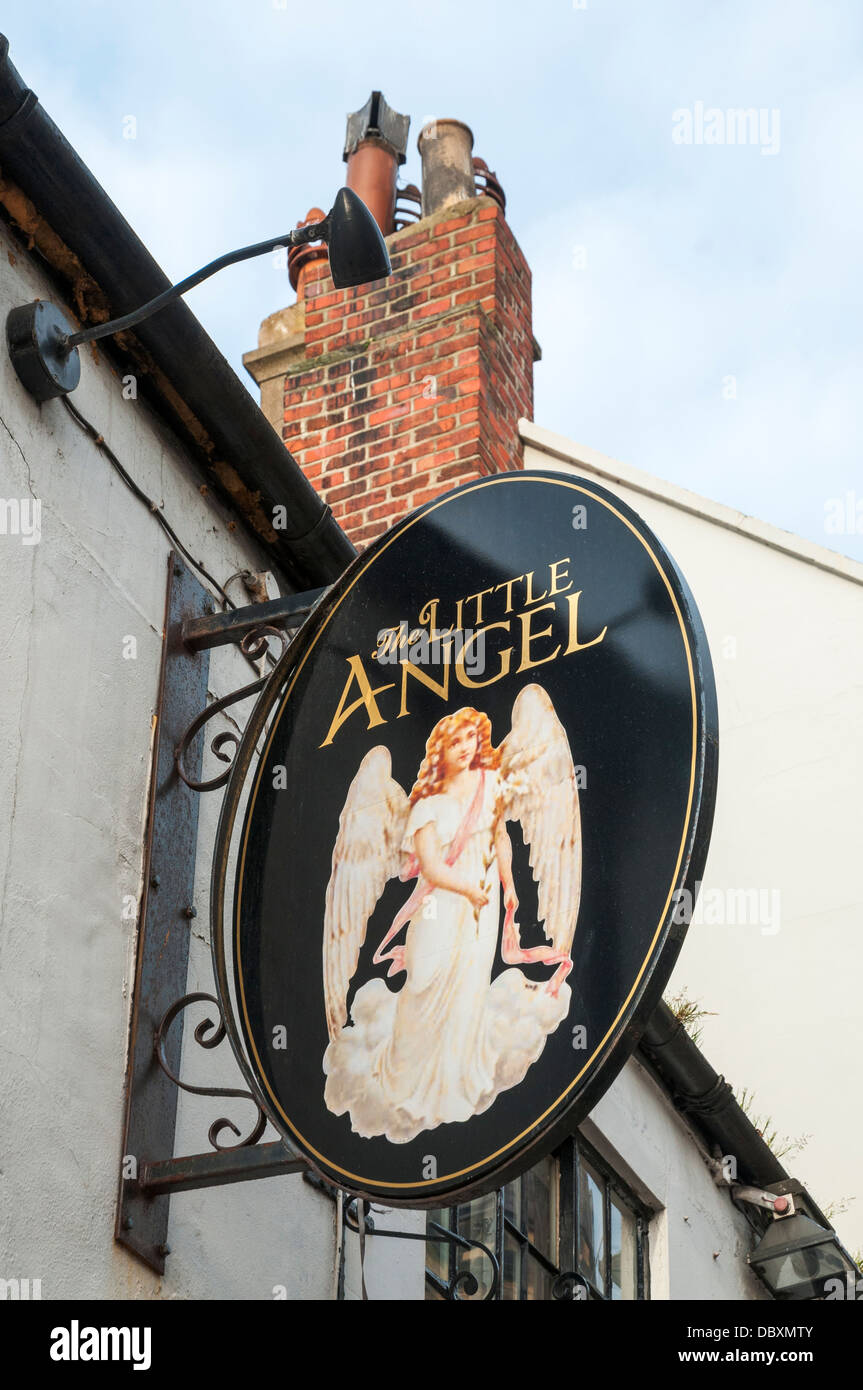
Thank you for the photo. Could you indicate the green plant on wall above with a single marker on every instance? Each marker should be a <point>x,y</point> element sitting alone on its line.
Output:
<point>780,1144</point>
<point>688,1012</point>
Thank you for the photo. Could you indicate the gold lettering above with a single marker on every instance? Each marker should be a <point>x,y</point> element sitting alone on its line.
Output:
<point>555,587</point>
<point>574,644</point>
<point>428,615</point>
<point>479,598</point>
<point>527,637</point>
<point>440,688</point>
<point>389,641</point>
<point>505,656</point>
<point>529,597</point>
<point>366,698</point>
<point>508,586</point>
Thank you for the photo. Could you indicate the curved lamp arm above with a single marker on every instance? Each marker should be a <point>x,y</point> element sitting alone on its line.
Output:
<point>43,347</point>
<point>316,231</point>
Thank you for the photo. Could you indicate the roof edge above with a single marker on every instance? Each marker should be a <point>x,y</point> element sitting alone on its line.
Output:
<point>705,1098</point>
<point>242,456</point>
<point>763,532</point>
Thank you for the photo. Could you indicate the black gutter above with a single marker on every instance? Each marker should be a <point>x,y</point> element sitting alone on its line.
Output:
<point>706,1099</point>
<point>244,458</point>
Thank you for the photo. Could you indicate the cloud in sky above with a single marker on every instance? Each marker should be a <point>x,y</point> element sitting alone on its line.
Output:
<point>660,270</point>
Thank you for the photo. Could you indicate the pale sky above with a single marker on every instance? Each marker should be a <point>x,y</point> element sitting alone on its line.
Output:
<point>698,305</point>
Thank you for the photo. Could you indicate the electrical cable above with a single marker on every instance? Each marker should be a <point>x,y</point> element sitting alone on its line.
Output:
<point>153,507</point>
<point>100,442</point>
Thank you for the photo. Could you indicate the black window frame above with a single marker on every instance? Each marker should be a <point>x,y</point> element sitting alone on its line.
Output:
<point>571,1154</point>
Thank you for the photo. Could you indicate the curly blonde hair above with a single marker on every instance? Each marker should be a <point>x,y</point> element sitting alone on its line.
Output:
<point>430,778</point>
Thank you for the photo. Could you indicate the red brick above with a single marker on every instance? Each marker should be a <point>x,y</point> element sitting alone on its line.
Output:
<point>427,495</point>
<point>434,309</point>
<point>407,243</point>
<point>478,264</point>
<point>346,490</point>
<point>367,434</point>
<point>451,225</point>
<point>477,236</point>
<point>391,412</point>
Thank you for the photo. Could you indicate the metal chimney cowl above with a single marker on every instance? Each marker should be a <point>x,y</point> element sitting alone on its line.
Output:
<point>375,145</point>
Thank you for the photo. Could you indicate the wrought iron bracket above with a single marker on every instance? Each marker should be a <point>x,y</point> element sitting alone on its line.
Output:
<point>150,1173</point>
<point>464,1282</point>
<point>253,644</point>
<point>216,630</point>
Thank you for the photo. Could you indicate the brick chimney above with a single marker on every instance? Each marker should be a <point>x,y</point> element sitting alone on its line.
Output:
<point>392,393</point>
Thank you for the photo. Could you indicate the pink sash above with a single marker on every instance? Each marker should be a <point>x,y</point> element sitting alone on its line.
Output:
<point>411,869</point>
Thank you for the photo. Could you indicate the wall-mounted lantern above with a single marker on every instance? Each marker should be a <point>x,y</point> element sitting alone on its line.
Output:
<point>799,1252</point>
<point>44,348</point>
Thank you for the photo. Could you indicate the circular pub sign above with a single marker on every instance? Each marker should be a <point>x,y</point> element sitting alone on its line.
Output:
<point>469,813</point>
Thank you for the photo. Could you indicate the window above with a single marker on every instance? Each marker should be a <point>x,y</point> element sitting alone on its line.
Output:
<point>570,1213</point>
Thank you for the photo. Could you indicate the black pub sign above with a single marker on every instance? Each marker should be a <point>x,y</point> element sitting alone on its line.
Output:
<point>475,790</point>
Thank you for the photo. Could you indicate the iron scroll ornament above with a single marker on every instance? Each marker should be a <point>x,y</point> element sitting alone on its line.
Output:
<point>208,1034</point>
<point>647,719</point>
<point>253,645</point>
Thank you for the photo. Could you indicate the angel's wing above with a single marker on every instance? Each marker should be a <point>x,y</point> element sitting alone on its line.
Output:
<point>537,761</point>
<point>366,855</point>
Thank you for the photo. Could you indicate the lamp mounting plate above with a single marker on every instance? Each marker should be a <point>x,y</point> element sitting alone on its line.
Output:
<point>36,334</point>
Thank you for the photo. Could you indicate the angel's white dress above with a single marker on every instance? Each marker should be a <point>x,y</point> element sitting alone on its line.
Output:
<point>448,1042</point>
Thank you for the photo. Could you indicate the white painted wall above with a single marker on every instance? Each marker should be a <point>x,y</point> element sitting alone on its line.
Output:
<point>784,619</point>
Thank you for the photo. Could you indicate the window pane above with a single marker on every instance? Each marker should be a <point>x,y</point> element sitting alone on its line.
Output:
<point>478,1221</point>
<point>511,1267</point>
<point>623,1251</point>
<point>540,1186</point>
<point>591,1236</point>
<point>437,1251</point>
<point>539,1281</point>
<point>512,1202</point>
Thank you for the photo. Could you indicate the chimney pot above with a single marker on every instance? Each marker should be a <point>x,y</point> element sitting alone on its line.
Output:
<point>302,258</point>
<point>448,176</point>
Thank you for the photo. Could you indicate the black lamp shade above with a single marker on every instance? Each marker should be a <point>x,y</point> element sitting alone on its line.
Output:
<point>796,1256</point>
<point>358,252</point>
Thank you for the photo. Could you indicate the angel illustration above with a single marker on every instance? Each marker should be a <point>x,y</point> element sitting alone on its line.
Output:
<point>449,1041</point>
